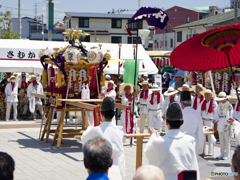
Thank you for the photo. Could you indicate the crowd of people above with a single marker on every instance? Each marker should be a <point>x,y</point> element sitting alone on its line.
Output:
<point>15,96</point>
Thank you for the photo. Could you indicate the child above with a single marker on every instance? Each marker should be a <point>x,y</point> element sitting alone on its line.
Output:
<point>224,111</point>
<point>23,99</point>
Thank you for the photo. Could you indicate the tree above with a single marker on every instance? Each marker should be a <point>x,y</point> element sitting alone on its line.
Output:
<point>6,27</point>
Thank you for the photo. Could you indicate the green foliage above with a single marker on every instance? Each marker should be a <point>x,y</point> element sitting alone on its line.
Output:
<point>6,28</point>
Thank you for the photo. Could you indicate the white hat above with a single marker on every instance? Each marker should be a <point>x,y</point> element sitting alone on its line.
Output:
<point>33,76</point>
<point>144,82</point>
<point>12,77</point>
<point>209,92</point>
<point>155,88</point>
<point>222,96</point>
<point>185,86</point>
<point>124,85</point>
<point>198,85</point>
<point>111,83</point>
<point>170,91</point>
<point>108,77</point>
<point>145,75</point>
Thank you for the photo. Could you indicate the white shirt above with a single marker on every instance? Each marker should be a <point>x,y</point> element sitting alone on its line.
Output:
<point>166,103</point>
<point>236,126</point>
<point>155,105</point>
<point>35,89</point>
<point>236,114</point>
<point>172,153</point>
<point>126,102</point>
<point>205,113</point>
<point>11,94</point>
<point>193,126</point>
<point>143,101</point>
<point>111,94</point>
<point>223,113</point>
<point>114,135</point>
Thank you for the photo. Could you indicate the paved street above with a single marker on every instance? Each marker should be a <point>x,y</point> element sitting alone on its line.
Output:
<point>36,159</point>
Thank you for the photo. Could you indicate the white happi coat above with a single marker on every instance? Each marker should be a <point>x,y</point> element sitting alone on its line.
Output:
<point>11,94</point>
<point>172,153</point>
<point>198,101</point>
<point>223,113</point>
<point>208,117</point>
<point>166,103</point>
<point>114,135</point>
<point>236,126</point>
<point>144,102</point>
<point>111,93</point>
<point>193,126</point>
<point>32,89</point>
<point>236,114</point>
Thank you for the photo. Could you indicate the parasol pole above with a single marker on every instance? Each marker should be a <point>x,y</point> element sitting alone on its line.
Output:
<point>97,82</point>
<point>233,79</point>
<point>119,56</point>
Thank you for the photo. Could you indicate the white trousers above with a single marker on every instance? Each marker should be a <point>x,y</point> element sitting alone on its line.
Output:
<point>155,119</point>
<point>9,104</point>
<point>25,109</point>
<point>224,142</point>
<point>210,141</point>
<point>79,118</point>
<point>40,108</point>
<point>143,118</point>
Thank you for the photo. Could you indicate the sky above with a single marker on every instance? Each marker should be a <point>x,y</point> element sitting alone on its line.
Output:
<point>97,6</point>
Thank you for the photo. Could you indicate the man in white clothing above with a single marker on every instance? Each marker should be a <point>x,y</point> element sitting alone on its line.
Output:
<point>110,91</point>
<point>223,113</point>
<point>208,109</point>
<point>175,151</point>
<point>184,87</point>
<point>113,134</point>
<point>236,126</point>
<point>193,124</point>
<point>35,87</point>
<point>155,105</point>
<point>11,92</point>
<point>196,101</point>
<point>143,99</point>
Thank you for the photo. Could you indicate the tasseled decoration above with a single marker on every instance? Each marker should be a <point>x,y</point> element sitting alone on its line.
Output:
<point>128,31</point>
<point>108,67</point>
<point>143,66</point>
<point>156,28</point>
<point>120,65</point>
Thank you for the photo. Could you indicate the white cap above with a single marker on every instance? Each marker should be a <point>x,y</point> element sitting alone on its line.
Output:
<point>107,77</point>
<point>145,75</point>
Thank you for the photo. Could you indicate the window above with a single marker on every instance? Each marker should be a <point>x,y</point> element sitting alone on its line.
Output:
<point>171,43</point>
<point>165,43</point>
<point>187,37</point>
<point>86,39</point>
<point>116,23</point>
<point>165,31</point>
<point>179,36</point>
<point>133,26</point>
<point>216,13</point>
<point>190,36</point>
<point>116,39</point>
<point>129,40</point>
<point>133,40</point>
<point>36,29</point>
<point>70,23</point>
<point>188,19</point>
<point>83,22</point>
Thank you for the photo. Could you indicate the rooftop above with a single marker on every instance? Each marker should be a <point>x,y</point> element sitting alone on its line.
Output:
<point>99,15</point>
<point>210,20</point>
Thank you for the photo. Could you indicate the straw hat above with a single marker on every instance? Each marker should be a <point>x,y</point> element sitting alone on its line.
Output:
<point>124,85</point>
<point>222,96</point>
<point>111,81</point>
<point>185,86</point>
<point>198,85</point>
<point>145,75</point>
<point>209,92</point>
<point>12,77</point>
<point>170,91</point>
<point>155,88</point>
<point>21,92</point>
<point>144,82</point>
<point>141,79</point>
<point>33,76</point>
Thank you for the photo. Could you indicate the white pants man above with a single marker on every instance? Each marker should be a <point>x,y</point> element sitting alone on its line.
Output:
<point>39,108</point>
<point>9,105</point>
<point>155,119</point>
<point>224,138</point>
<point>210,139</point>
<point>143,118</point>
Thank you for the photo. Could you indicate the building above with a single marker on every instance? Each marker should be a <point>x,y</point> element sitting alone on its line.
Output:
<point>183,32</point>
<point>32,30</point>
<point>178,15</point>
<point>104,28</point>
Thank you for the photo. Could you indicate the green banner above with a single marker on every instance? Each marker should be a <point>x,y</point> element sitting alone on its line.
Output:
<point>129,68</point>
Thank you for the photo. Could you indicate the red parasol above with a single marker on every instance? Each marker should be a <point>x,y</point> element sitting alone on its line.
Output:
<point>214,49</point>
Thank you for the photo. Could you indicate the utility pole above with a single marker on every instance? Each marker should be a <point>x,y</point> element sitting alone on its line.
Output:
<point>36,10</point>
<point>19,19</point>
<point>42,29</point>
<point>236,11</point>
